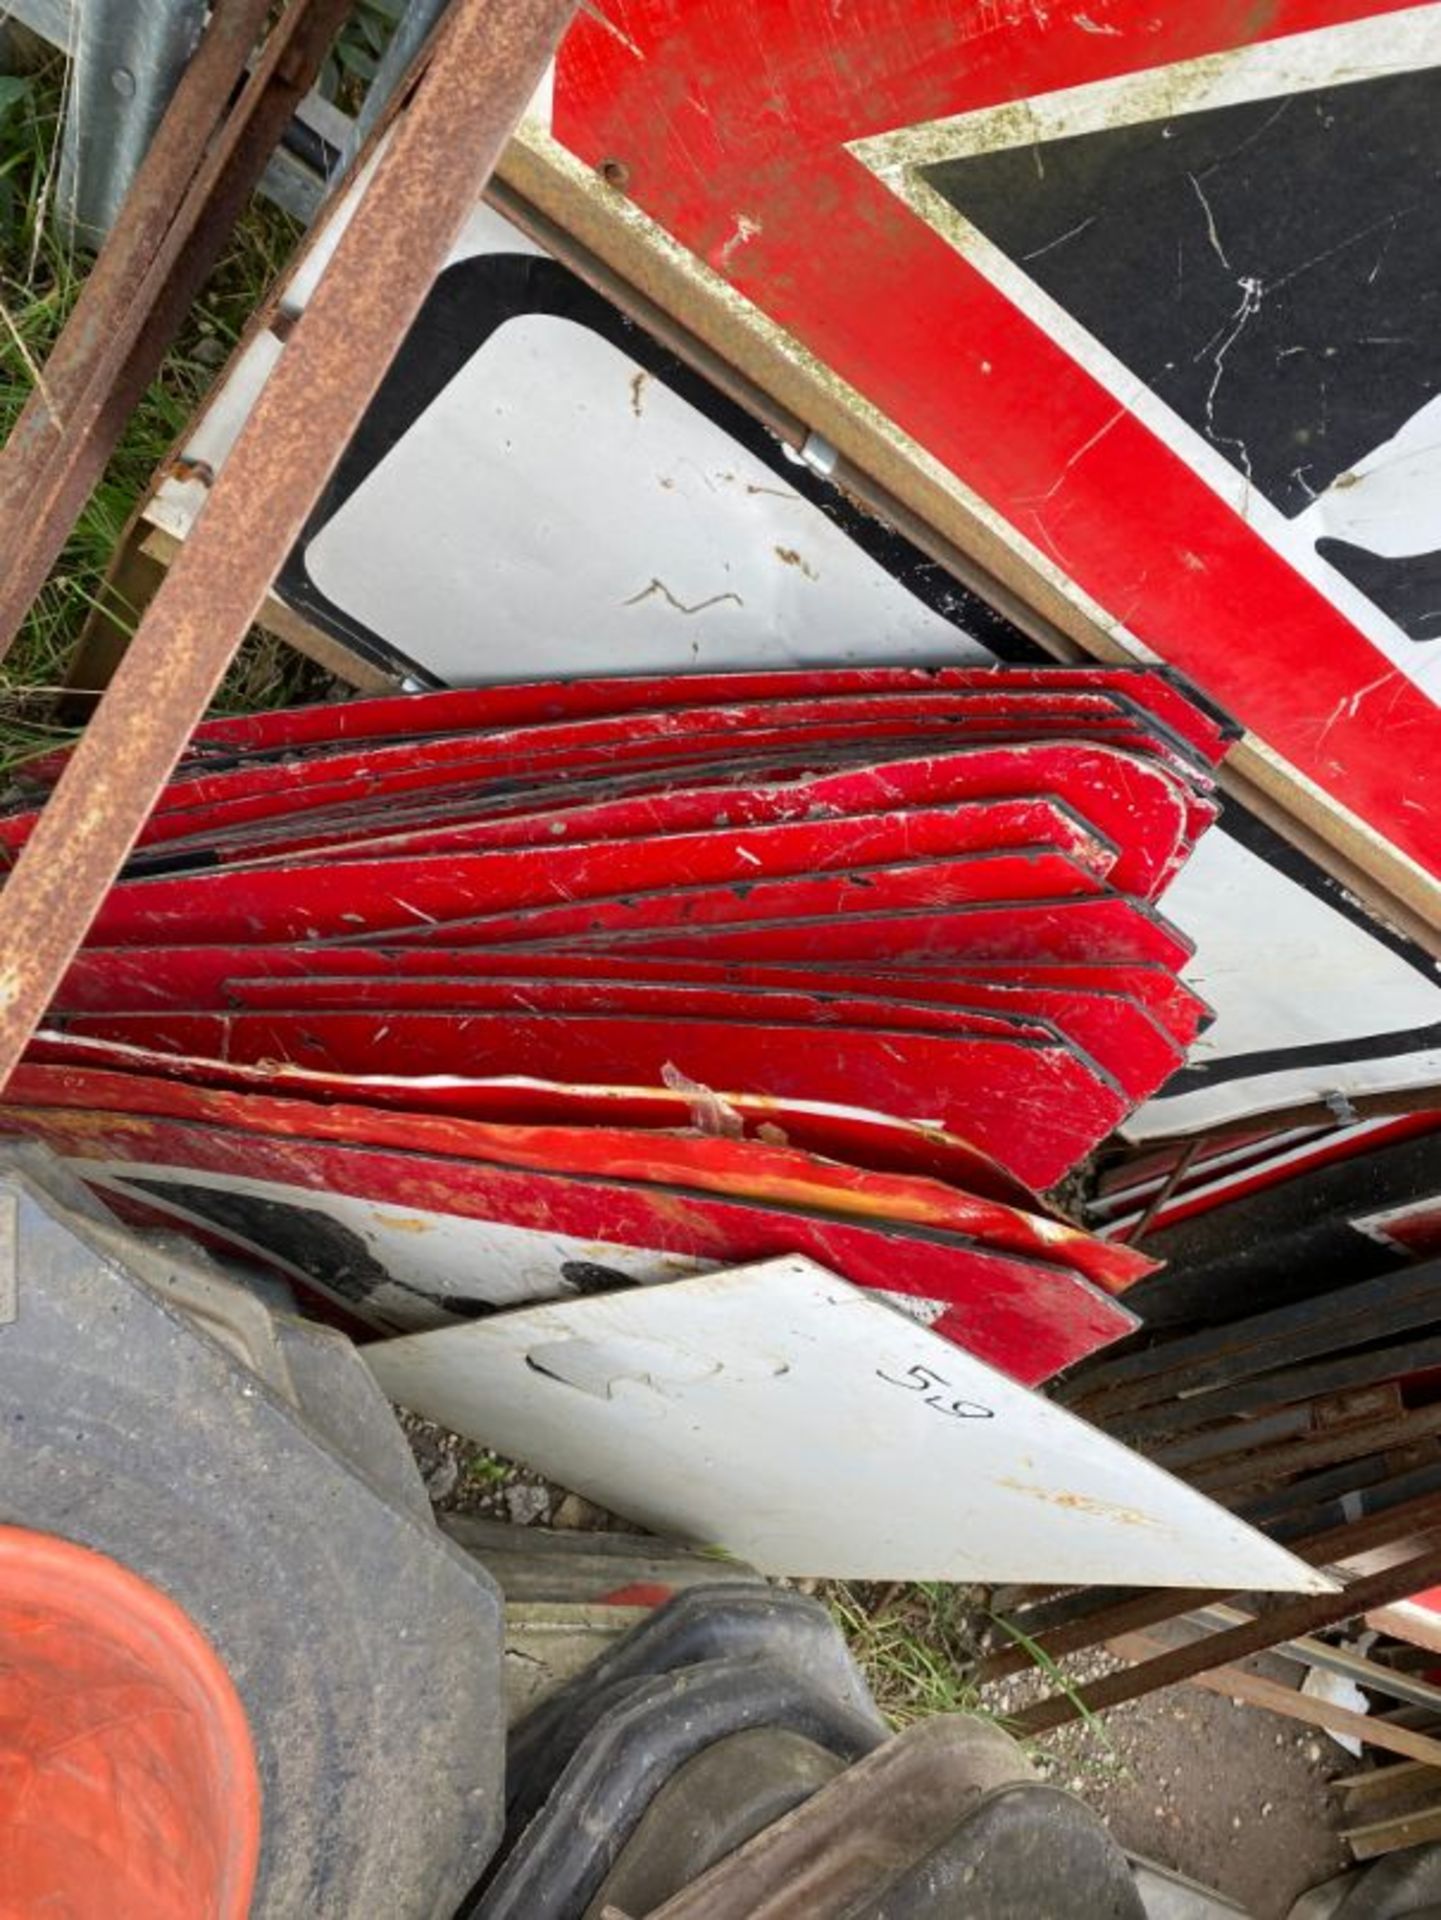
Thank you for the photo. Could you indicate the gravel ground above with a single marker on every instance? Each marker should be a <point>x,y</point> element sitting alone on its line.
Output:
<point>461,1477</point>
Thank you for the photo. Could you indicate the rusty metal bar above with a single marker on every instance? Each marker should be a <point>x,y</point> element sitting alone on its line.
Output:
<point>1322,1324</point>
<point>1153,1607</point>
<point>1163,1193</point>
<point>100,369</point>
<point>1283,1387</point>
<point>1325,1450</point>
<point>171,164</point>
<point>1284,1622</point>
<point>1359,1789</point>
<point>490,57</point>
<point>1239,1683</point>
<point>1395,1832</point>
<point>1406,1688</point>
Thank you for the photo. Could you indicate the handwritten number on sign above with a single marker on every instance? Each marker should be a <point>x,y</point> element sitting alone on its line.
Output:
<point>922,1380</point>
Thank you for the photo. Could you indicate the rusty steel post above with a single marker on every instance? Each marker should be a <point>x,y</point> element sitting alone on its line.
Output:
<point>490,57</point>
<point>142,285</point>
<point>1282,1622</point>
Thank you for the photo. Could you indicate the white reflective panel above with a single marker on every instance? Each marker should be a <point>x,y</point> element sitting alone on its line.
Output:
<point>1284,971</point>
<point>782,1414</point>
<point>558,510</point>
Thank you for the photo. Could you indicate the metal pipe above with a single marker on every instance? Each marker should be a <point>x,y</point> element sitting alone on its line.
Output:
<point>490,58</point>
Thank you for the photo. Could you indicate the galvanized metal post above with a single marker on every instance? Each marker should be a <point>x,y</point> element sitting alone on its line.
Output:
<point>412,31</point>
<point>126,60</point>
<point>52,20</point>
<point>125,63</point>
<point>491,57</point>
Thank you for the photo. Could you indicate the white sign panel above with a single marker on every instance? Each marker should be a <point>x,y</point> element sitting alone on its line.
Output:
<point>778,1412</point>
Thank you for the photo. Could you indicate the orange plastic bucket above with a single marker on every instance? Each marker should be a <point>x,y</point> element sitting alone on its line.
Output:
<point>128,1786</point>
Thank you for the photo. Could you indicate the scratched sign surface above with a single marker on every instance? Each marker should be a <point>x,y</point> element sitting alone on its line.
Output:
<point>1157,284</point>
<point>1167,325</point>
<point>731,1408</point>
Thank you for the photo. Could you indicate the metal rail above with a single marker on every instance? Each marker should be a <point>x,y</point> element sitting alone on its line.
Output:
<point>126,61</point>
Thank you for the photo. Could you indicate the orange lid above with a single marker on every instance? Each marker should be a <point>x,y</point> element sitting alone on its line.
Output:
<point>128,1785</point>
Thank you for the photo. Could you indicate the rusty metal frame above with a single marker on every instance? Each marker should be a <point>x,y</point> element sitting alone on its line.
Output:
<point>1243,1685</point>
<point>1287,1621</point>
<point>489,57</point>
<point>200,171</point>
<point>1242,1472</point>
<point>1136,1611</point>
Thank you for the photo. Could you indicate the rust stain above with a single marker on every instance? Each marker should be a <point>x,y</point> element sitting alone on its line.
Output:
<point>1081,1503</point>
<point>700,606</point>
<point>63,1121</point>
<point>183,467</point>
<point>401,1222</point>
<point>788,557</point>
<point>1256,19</point>
<point>675,1211</point>
<point>637,390</point>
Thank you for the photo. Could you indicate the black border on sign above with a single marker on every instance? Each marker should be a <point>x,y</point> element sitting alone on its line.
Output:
<point>1258,838</point>
<point>469,303</point>
<point>473,298</point>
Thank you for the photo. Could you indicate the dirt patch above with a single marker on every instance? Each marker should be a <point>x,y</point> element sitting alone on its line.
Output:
<point>1231,1795</point>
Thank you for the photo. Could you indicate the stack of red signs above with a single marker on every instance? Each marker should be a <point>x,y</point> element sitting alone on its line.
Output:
<point>604,981</point>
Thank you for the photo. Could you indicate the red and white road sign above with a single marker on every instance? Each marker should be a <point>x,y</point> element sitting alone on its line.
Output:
<point>1154,285</point>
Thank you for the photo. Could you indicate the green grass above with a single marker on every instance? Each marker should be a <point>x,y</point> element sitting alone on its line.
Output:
<point>1060,1682</point>
<point>914,1643</point>
<point>916,1646</point>
<point>482,1470</point>
<point>39,280</point>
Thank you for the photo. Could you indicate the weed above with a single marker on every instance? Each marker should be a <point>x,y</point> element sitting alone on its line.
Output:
<point>484,1469</point>
<point>1058,1677</point>
<point>915,1644</point>
<point>357,50</point>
